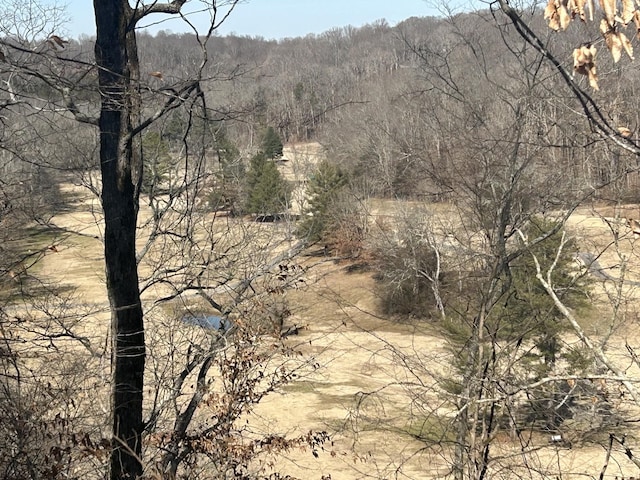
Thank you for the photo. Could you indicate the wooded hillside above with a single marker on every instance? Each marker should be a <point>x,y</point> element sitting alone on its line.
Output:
<point>424,231</point>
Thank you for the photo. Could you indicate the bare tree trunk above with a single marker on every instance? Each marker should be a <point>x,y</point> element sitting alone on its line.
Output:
<point>120,205</point>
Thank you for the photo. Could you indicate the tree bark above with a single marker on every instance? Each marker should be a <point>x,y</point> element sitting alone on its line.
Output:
<point>116,57</point>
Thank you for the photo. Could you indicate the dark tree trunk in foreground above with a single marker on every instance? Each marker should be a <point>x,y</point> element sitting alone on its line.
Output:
<point>117,61</point>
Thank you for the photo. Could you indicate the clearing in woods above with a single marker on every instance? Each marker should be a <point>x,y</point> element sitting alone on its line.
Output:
<point>355,349</point>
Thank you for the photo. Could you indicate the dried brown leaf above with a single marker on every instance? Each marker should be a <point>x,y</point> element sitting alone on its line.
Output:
<point>557,15</point>
<point>156,74</point>
<point>626,44</point>
<point>628,10</point>
<point>615,46</point>
<point>550,9</point>
<point>612,39</point>
<point>610,10</point>
<point>604,27</point>
<point>636,20</point>
<point>584,64</point>
<point>565,18</point>
<point>583,55</point>
<point>551,15</point>
<point>576,7</point>
<point>593,78</point>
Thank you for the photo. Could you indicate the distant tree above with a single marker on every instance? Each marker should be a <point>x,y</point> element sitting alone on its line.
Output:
<point>228,184</point>
<point>324,189</point>
<point>174,128</point>
<point>155,159</point>
<point>271,144</point>
<point>268,192</point>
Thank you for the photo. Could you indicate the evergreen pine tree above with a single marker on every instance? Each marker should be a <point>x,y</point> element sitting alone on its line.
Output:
<point>323,191</point>
<point>530,314</point>
<point>227,189</point>
<point>527,322</point>
<point>271,144</point>
<point>268,192</point>
<point>529,308</point>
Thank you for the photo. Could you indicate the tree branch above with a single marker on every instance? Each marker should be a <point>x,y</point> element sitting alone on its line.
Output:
<point>589,106</point>
<point>171,8</point>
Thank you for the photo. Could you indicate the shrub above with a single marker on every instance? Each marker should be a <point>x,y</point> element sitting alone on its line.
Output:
<point>407,267</point>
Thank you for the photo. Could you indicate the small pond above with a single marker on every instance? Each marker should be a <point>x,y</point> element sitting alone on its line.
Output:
<point>213,322</point>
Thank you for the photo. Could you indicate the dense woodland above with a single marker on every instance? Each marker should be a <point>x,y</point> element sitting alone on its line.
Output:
<point>453,157</point>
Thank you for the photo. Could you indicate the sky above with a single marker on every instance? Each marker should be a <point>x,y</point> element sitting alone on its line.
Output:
<point>275,19</point>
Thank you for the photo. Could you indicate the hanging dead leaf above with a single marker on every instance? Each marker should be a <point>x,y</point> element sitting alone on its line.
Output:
<point>628,11</point>
<point>571,382</point>
<point>624,131</point>
<point>557,15</point>
<point>156,74</point>
<point>593,78</point>
<point>583,55</point>
<point>576,7</point>
<point>626,44</point>
<point>610,10</point>
<point>616,41</point>
<point>565,18</point>
<point>584,63</point>
<point>611,39</point>
<point>551,14</point>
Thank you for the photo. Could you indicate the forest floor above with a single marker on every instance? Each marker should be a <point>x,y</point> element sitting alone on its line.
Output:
<point>358,353</point>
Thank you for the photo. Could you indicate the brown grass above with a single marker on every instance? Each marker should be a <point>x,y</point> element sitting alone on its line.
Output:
<point>356,353</point>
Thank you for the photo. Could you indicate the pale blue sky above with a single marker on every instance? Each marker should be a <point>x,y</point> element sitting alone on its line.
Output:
<point>277,18</point>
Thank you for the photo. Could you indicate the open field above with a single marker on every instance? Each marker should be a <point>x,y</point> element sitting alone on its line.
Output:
<point>357,352</point>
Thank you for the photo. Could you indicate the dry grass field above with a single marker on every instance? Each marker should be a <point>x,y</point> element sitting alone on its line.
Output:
<point>357,352</point>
